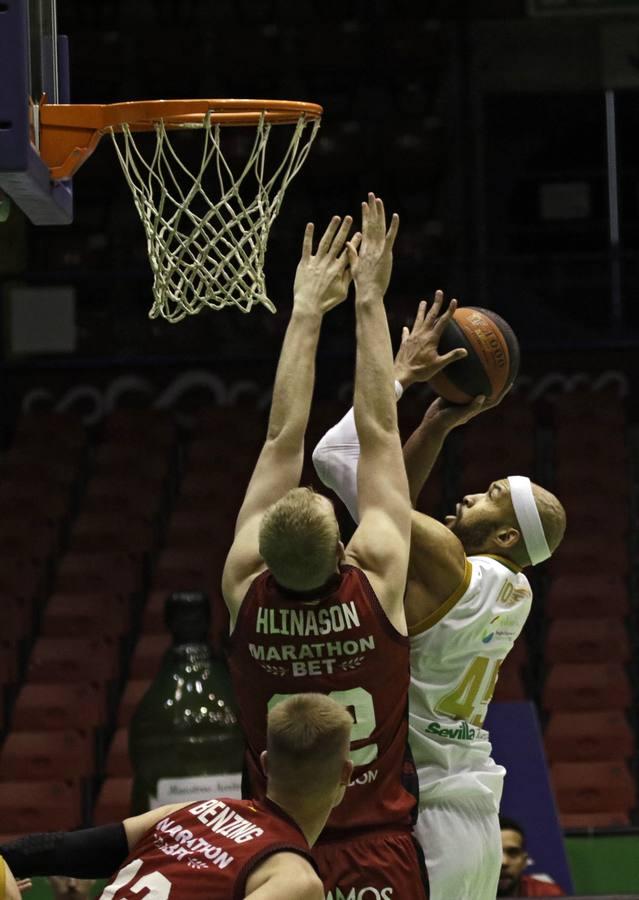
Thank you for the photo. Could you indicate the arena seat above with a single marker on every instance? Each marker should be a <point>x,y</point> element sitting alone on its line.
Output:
<point>76,659</point>
<point>31,537</point>
<point>593,787</point>
<point>126,495</point>
<point>47,756</point>
<point>133,692</point>
<point>118,762</point>
<point>510,685</point>
<point>594,735</point>
<point>154,428</point>
<point>586,597</point>
<point>32,806</point>
<point>615,819</point>
<point>594,640</point>
<point>108,615</point>
<point>95,532</point>
<point>584,686</point>
<point>114,801</point>
<point>147,656</point>
<point>111,573</point>
<point>59,707</point>
<point>50,430</point>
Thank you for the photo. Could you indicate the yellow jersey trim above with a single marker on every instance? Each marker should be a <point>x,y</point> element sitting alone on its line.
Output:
<point>445,607</point>
<point>505,562</point>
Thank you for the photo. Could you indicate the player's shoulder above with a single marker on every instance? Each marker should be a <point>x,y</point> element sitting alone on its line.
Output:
<point>291,873</point>
<point>498,571</point>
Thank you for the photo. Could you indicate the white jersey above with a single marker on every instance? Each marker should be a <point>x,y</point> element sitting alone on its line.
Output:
<point>455,659</point>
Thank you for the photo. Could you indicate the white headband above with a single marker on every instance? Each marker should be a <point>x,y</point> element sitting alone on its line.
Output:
<point>532,531</point>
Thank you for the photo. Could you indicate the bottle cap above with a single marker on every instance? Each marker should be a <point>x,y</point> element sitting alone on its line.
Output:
<point>187,616</point>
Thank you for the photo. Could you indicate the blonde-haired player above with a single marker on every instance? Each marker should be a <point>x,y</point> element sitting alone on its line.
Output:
<point>220,849</point>
<point>467,600</point>
<point>309,614</point>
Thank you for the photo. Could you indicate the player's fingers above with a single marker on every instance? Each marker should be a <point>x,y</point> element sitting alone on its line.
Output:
<point>392,231</point>
<point>421,313</point>
<point>342,234</point>
<point>445,317</point>
<point>453,355</point>
<point>405,334</point>
<point>329,234</point>
<point>307,244</point>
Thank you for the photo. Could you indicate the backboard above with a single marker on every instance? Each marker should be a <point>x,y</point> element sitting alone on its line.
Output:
<point>34,60</point>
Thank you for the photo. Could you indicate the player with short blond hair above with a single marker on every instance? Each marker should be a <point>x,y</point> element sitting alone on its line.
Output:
<point>220,849</point>
<point>309,614</point>
<point>299,539</point>
<point>467,600</point>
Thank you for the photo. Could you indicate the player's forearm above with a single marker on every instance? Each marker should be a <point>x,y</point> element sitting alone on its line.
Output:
<point>421,452</point>
<point>374,396</point>
<point>294,380</point>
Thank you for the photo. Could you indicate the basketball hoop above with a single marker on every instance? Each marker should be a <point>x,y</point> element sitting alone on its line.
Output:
<point>206,246</point>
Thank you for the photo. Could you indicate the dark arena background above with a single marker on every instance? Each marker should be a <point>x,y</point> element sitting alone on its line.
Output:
<point>505,133</point>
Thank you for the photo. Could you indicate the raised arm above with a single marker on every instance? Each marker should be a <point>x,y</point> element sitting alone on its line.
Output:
<point>321,282</point>
<point>380,544</point>
<point>336,455</point>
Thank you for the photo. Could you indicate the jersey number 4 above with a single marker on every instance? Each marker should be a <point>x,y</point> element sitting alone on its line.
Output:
<point>359,702</point>
<point>469,699</point>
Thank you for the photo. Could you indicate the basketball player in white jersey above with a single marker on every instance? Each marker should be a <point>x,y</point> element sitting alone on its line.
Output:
<point>467,600</point>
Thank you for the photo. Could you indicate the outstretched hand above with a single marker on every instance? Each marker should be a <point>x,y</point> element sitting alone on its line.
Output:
<point>418,358</point>
<point>445,415</point>
<point>322,279</point>
<point>372,265</point>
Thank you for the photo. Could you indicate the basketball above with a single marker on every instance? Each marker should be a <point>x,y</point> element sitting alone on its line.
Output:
<point>493,356</point>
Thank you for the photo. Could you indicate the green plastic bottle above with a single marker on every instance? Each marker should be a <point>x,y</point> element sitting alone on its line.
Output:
<point>185,742</point>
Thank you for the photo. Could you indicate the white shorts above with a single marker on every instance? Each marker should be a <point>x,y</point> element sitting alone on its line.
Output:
<point>462,847</point>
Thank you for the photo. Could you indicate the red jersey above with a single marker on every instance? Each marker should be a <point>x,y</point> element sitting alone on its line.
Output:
<point>529,886</point>
<point>339,643</point>
<point>207,851</point>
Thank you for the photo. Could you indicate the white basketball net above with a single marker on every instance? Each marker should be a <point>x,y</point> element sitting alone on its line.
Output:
<point>208,251</point>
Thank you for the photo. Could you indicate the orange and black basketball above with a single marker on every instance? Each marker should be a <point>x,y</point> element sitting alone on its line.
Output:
<point>493,356</point>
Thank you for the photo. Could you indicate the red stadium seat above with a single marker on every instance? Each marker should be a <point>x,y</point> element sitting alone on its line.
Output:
<point>32,806</point>
<point>47,756</point>
<point>77,659</point>
<point>105,614</point>
<point>133,692</point>
<point>33,538</point>
<point>592,735</point>
<point>108,573</point>
<point>153,615</point>
<point>590,557</point>
<point>593,787</point>
<point>118,762</point>
<point>17,616</point>
<point>95,532</point>
<point>140,427</point>
<point>598,409</point>
<point>59,707</point>
<point>125,496</point>
<point>587,686</point>
<point>587,640</point>
<point>587,596</point>
<point>594,820</point>
<point>510,683</point>
<point>147,656</point>
<point>114,801</point>
<point>601,445</point>
<point>189,528</point>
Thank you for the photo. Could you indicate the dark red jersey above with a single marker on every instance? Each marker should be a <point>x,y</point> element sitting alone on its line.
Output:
<point>207,850</point>
<point>340,643</point>
<point>529,886</point>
